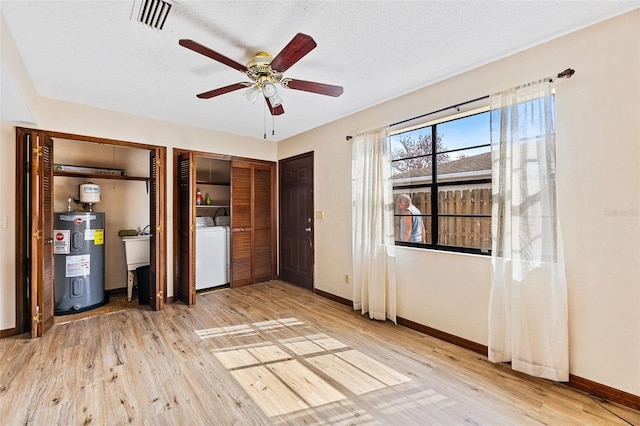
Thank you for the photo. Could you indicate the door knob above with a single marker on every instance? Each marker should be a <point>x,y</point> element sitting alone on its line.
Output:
<point>308,229</point>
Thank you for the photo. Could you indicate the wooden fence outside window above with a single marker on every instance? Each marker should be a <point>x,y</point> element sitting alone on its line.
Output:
<point>469,227</point>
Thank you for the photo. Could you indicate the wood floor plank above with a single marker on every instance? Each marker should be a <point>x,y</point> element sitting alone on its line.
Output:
<point>376,369</point>
<point>271,395</point>
<point>269,354</point>
<point>304,382</point>
<point>357,381</point>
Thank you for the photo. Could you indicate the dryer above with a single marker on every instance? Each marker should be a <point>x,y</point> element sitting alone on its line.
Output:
<point>211,254</point>
<point>225,222</point>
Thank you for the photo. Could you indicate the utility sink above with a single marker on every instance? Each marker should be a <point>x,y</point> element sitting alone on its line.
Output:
<point>137,254</point>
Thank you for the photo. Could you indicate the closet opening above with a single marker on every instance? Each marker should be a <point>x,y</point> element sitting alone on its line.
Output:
<point>81,201</point>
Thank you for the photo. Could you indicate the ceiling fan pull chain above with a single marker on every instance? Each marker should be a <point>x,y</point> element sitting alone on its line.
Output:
<point>273,125</point>
<point>264,115</point>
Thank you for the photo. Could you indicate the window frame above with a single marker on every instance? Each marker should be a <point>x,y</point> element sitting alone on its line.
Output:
<point>434,185</point>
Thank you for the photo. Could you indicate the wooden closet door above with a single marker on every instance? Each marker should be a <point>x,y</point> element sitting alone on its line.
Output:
<point>264,254</point>
<point>157,216</point>
<point>241,221</point>
<point>42,303</point>
<point>186,285</point>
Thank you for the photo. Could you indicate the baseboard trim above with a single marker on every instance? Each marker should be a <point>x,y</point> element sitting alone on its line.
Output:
<point>446,337</point>
<point>603,391</point>
<point>8,332</point>
<point>333,297</point>
<point>590,387</point>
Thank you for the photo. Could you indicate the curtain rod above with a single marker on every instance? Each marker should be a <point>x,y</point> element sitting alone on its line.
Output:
<point>564,74</point>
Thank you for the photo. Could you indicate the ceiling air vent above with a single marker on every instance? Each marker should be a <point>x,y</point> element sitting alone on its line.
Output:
<point>153,13</point>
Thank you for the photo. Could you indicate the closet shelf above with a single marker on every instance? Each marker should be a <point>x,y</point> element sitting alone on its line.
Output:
<point>97,176</point>
<point>205,182</point>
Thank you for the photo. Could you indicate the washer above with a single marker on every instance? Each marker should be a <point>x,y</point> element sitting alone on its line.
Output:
<point>211,254</point>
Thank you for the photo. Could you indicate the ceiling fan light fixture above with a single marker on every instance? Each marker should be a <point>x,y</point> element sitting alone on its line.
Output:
<point>275,100</point>
<point>269,90</point>
<point>251,95</point>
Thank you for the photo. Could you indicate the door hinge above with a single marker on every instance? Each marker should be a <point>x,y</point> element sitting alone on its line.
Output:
<point>37,234</point>
<point>159,295</point>
<point>159,228</point>
<point>38,316</point>
<point>37,151</point>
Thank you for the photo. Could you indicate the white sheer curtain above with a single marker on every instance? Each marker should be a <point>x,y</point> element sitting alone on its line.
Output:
<point>528,322</point>
<point>374,281</point>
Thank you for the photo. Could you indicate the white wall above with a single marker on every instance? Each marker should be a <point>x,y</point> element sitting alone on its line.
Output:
<point>7,234</point>
<point>598,154</point>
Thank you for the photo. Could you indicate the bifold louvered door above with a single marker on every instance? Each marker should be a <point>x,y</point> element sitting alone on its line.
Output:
<point>186,285</point>
<point>42,299</point>
<point>158,240</point>
<point>252,223</point>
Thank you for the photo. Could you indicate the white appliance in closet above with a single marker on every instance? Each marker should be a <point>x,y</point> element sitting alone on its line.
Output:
<point>212,253</point>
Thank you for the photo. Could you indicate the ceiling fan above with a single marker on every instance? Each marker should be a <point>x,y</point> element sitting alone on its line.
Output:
<point>265,72</point>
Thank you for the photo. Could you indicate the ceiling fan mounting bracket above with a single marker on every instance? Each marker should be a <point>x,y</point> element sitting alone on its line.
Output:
<point>259,70</point>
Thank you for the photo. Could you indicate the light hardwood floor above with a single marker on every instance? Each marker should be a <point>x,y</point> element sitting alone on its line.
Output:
<point>270,353</point>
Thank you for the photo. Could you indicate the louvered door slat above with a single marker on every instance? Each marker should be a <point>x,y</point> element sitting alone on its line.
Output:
<point>241,232</point>
<point>262,223</point>
<point>186,263</point>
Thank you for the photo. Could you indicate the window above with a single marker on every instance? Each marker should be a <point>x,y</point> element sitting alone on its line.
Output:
<point>452,193</point>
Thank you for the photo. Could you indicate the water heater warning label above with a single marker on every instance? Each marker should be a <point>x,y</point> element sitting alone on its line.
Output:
<point>78,266</point>
<point>98,237</point>
<point>61,241</point>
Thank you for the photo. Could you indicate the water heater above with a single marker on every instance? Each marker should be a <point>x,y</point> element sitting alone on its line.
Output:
<point>78,262</point>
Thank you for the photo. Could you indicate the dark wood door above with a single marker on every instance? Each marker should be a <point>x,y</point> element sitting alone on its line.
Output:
<point>186,286</point>
<point>296,220</point>
<point>41,202</point>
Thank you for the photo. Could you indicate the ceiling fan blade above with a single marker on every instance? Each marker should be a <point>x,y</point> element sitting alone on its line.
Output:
<point>197,47</point>
<point>279,110</point>
<point>222,90</point>
<point>310,86</point>
<point>300,45</point>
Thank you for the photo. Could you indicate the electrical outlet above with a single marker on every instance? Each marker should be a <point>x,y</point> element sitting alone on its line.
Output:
<point>320,214</point>
<point>3,222</point>
<point>346,278</point>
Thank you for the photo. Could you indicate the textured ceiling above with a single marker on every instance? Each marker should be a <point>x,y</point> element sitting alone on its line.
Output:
<point>96,53</point>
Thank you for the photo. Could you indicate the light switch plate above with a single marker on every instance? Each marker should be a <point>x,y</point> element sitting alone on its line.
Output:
<point>3,222</point>
<point>320,214</point>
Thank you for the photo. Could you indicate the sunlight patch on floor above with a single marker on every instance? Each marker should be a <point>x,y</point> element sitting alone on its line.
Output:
<point>287,374</point>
